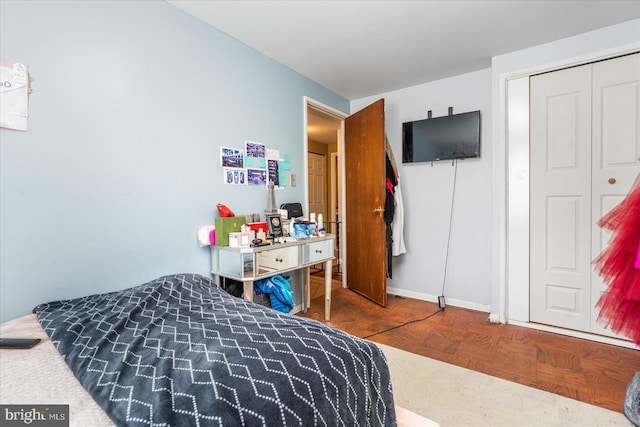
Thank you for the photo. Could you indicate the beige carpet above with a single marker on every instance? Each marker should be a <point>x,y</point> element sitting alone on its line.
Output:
<point>454,396</point>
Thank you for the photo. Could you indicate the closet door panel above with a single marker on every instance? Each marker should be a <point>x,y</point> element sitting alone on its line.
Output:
<point>560,198</point>
<point>615,148</point>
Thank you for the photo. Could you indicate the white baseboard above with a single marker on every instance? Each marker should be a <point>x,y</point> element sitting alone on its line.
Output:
<point>434,298</point>
<point>495,318</point>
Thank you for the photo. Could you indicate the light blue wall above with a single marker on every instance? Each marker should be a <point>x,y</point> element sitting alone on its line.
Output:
<point>131,102</point>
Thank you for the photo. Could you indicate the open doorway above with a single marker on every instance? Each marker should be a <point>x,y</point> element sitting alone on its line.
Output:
<point>325,168</point>
<point>360,192</point>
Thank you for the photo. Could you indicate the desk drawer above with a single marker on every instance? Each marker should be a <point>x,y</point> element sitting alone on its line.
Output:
<point>317,252</point>
<point>278,259</point>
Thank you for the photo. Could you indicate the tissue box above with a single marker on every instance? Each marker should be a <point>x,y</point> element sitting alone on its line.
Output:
<point>206,235</point>
<point>239,239</point>
<point>227,225</point>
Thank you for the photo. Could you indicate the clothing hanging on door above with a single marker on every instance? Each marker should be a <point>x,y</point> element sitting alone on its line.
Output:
<point>389,211</point>
<point>397,225</point>
<point>620,303</point>
<point>617,264</point>
<point>393,210</point>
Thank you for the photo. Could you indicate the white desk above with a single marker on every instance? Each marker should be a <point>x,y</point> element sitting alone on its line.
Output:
<point>250,264</point>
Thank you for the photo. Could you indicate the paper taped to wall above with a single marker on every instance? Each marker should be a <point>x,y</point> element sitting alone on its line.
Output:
<point>14,86</point>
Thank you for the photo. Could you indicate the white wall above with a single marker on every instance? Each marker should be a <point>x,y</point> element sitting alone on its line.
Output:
<point>427,191</point>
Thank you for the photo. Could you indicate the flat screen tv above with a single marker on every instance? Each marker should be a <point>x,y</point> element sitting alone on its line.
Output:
<point>456,136</point>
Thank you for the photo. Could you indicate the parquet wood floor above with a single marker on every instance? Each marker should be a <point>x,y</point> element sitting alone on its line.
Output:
<point>587,371</point>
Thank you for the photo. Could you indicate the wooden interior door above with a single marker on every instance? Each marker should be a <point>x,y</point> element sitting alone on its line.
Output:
<point>365,176</point>
<point>317,179</point>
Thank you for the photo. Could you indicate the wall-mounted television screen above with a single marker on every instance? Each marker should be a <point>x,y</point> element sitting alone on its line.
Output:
<point>456,136</point>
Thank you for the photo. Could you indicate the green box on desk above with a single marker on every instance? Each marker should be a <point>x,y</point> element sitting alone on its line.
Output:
<point>227,225</point>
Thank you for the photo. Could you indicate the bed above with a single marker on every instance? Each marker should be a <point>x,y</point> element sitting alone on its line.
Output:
<point>180,351</point>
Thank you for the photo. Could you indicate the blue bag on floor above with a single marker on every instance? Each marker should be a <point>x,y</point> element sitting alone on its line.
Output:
<point>279,290</point>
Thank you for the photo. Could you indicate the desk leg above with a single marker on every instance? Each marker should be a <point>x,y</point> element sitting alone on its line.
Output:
<point>306,290</point>
<point>328,267</point>
<point>248,290</point>
<point>217,280</point>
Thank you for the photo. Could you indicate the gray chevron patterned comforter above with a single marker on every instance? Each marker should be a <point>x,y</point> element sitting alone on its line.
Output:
<point>178,351</point>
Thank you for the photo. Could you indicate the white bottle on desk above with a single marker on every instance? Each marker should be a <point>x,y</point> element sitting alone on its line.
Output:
<point>320,225</point>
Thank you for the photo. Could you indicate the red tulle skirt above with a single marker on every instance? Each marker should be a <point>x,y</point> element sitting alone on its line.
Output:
<point>620,304</point>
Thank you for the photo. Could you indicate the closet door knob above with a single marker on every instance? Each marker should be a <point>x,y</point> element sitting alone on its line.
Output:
<point>612,180</point>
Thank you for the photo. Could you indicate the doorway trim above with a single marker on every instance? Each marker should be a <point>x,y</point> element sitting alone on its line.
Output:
<point>513,122</point>
<point>336,177</point>
<point>339,115</point>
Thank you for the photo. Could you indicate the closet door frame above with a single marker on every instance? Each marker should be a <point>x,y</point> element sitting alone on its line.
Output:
<point>514,291</point>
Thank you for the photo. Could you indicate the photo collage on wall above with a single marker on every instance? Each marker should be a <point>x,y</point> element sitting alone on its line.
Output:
<point>254,166</point>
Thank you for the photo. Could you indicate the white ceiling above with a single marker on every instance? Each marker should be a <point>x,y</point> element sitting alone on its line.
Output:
<point>364,48</point>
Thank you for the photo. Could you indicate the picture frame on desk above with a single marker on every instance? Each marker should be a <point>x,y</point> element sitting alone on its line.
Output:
<point>274,225</point>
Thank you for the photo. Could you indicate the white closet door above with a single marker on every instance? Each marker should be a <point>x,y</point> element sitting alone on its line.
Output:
<point>616,148</point>
<point>560,198</point>
<point>585,144</point>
